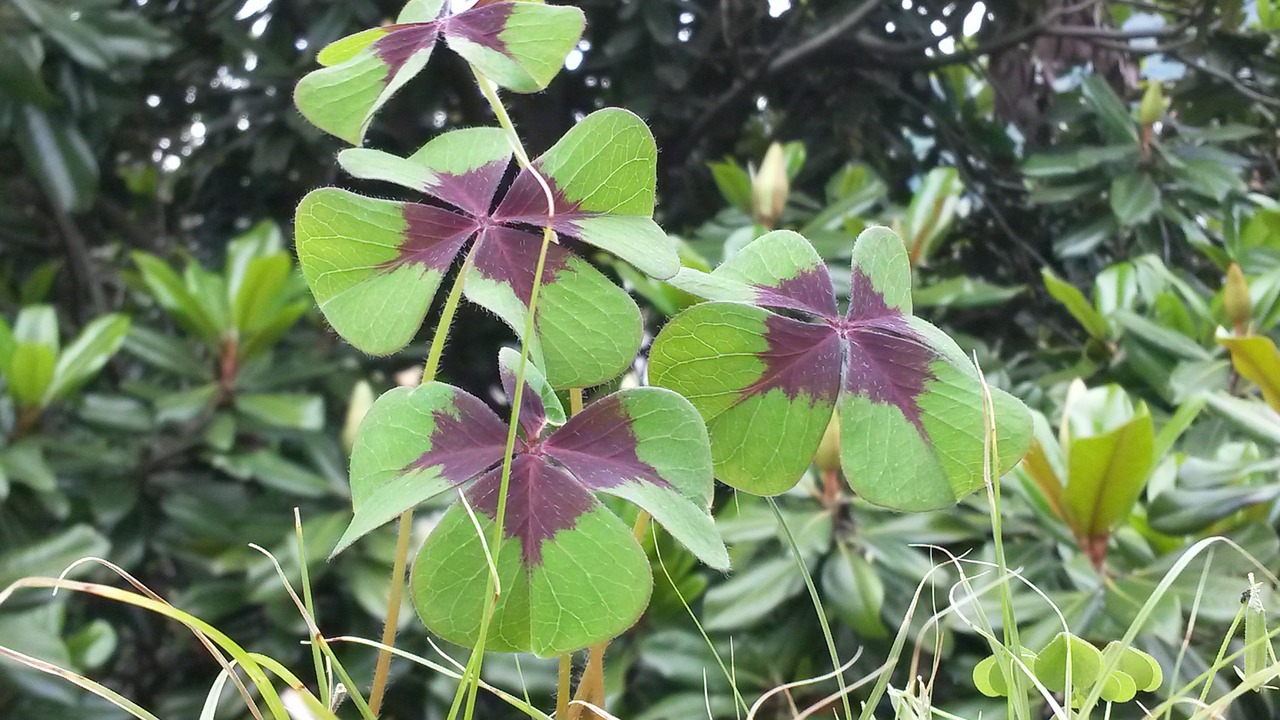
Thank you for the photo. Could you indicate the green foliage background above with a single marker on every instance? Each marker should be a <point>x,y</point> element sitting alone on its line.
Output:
<point>1065,221</point>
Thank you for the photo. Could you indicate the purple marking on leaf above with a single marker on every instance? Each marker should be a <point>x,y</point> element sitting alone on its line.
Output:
<point>533,414</point>
<point>865,302</point>
<point>888,363</point>
<point>482,25</point>
<point>433,236</point>
<point>809,291</point>
<point>801,358</point>
<point>402,42</point>
<point>467,440</point>
<point>510,256</point>
<point>471,191</point>
<point>526,202</point>
<point>542,500</point>
<point>598,446</point>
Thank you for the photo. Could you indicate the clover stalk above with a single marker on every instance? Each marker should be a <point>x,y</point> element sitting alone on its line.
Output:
<point>404,529</point>
<point>470,683</point>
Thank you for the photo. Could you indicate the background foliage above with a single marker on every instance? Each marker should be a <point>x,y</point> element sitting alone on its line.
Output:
<point>1073,180</point>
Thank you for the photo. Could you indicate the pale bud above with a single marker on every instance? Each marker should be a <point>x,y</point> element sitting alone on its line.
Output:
<point>1236,300</point>
<point>361,401</point>
<point>828,456</point>
<point>1152,106</point>
<point>770,187</point>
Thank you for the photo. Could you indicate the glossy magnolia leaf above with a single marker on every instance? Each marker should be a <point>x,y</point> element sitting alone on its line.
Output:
<point>8,342</point>
<point>86,355</point>
<point>766,384</point>
<point>1067,650</point>
<point>58,155</point>
<point>172,294</point>
<point>1106,475</point>
<point>572,573</point>
<point>1256,358</point>
<point>1135,198</point>
<point>37,324</point>
<point>1076,304</point>
<point>587,330</point>
<point>413,445</point>
<point>855,592</point>
<point>30,373</point>
<point>518,45</point>
<point>295,411</point>
<point>1182,511</point>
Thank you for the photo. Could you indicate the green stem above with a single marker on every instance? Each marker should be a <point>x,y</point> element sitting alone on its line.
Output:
<point>404,530</point>
<point>1017,698</point>
<point>470,684</point>
<point>317,657</point>
<point>817,606</point>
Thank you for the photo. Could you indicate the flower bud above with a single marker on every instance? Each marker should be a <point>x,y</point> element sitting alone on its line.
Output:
<point>828,457</point>
<point>770,187</point>
<point>1236,300</point>
<point>361,401</point>
<point>1152,105</point>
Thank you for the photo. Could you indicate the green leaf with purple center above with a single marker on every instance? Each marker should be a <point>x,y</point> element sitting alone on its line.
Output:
<point>375,265</point>
<point>518,45</point>
<point>572,573</point>
<point>767,383</point>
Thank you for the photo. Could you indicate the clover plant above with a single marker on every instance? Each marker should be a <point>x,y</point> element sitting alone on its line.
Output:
<point>529,558</point>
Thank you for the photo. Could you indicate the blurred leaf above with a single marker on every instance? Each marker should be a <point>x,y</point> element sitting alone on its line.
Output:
<point>750,596</point>
<point>173,294</point>
<point>963,292</point>
<point>86,355</point>
<point>24,462</point>
<point>1253,416</point>
<point>287,410</point>
<point>1076,304</point>
<point>1183,512</point>
<point>855,592</point>
<point>1135,198</point>
<point>1168,340</point>
<point>1113,116</point>
<point>1255,357</point>
<point>59,157</point>
<point>1106,474</point>
<point>278,473</point>
<point>166,353</point>
<point>30,373</point>
<point>930,213</point>
<point>1209,177</point>
<point>50,556</point>
<point>734,183</point>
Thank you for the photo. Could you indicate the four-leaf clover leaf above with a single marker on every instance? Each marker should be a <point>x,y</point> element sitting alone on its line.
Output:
<point>375,265</point>
<point>519,45</point>
<point>572,573</point>
<point>767,383</point>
